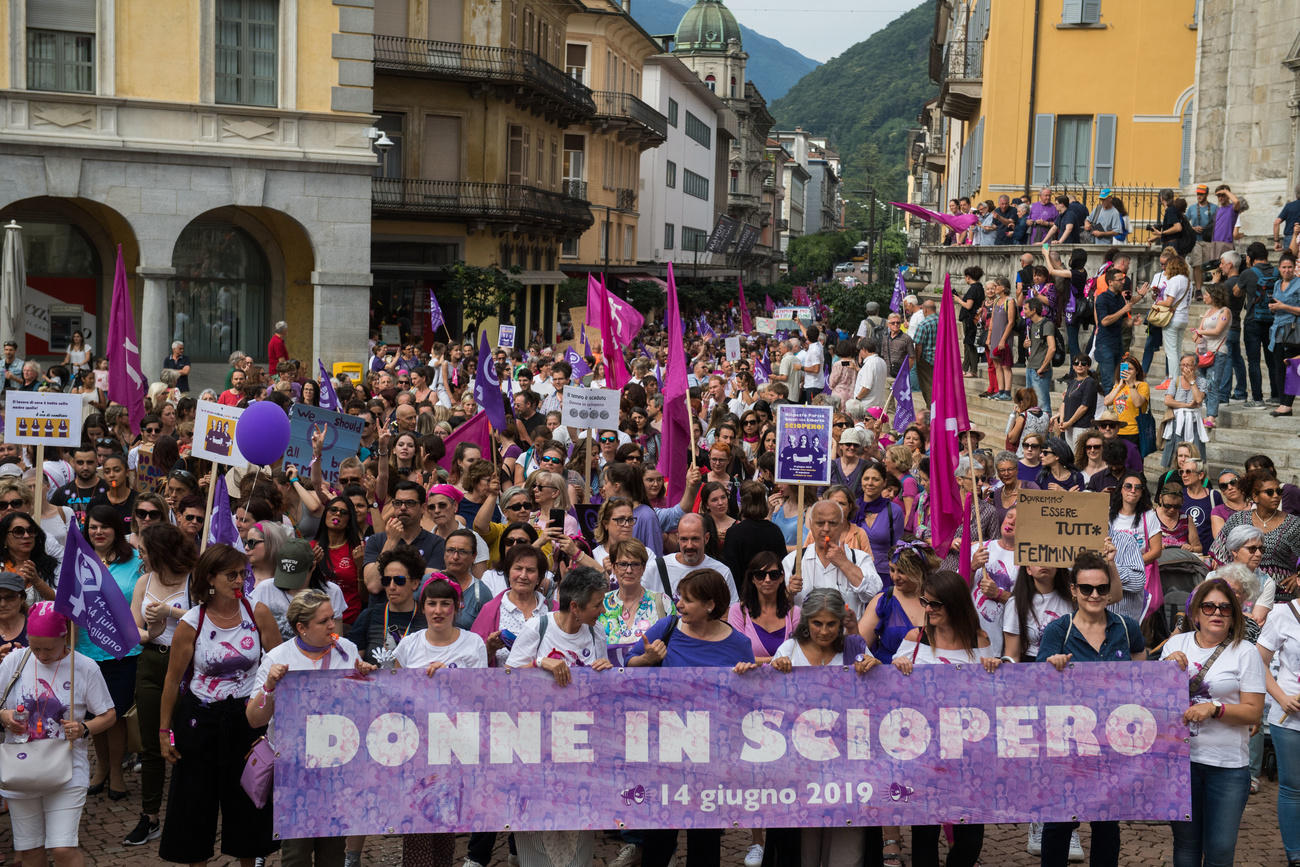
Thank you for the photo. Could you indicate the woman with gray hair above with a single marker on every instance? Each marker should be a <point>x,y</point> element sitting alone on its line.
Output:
<point>1244,546</point>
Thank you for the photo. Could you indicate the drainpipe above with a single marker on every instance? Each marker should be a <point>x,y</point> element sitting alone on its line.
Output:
<point>1033,97</point>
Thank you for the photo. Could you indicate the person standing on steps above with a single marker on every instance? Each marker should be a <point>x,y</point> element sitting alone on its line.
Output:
<point>1284,336</point>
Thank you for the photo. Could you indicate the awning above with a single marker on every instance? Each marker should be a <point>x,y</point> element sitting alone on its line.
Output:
<point>540,278</point>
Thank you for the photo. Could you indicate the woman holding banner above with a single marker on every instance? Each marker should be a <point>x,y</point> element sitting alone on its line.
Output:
<point>22,550</point>
<point>515,607</point>
<point>1135,530</point>
<point>883,519</point>
<point>1093,633</point>
<point>630,609</point>
<point>1227,699</point>
<point>1281,639</point>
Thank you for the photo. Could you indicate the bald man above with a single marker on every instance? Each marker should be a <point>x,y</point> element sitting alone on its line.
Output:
<point>828,563</point>
<point>662,574</point>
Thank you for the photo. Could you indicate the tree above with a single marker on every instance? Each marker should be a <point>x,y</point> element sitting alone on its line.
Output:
<point>813,256</point>
<point>484,292</point>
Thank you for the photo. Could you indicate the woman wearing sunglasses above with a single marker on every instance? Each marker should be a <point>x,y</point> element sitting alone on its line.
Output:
<point>17,495</point>
<point>765,614</point>
<point>338,537</point>
<point>1091,634</point>
<point>1234,500</point>
<point>1245,547</point>
<point>1087,453</point>
<point>121,493</point>
<point>1226,690</point>
<point>1135,531</point>
<point>1281,531</point>
<point>380,628</point>
<point>22,550</point>
<point>263,547</point>
<point>1176,530</point>
<point>149,509</point>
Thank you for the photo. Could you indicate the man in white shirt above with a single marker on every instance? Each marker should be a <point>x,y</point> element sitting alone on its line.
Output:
<point>828,563</point>
<point>788,372</point>
<point>912,307</point>
<point>672,568</point>
<point>814,364</point>
<point>872,384</point>
<point>873,321</point>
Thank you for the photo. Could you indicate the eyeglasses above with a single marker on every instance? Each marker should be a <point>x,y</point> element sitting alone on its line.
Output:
<point>767,575</point>
<point>1229,483</point>
<point>547,488</point>
<point>459,552</point>
<point>1129,486</point>
<point>337,510</point>
<point>840,424</point>
<point>1079,364</point>
<point>1253,548</point>
<point>750,421</point>
<point>609,439</point>
<point>625,521</point>
<point>106,441</point>
<point>517,507</point>
<point>5,505</point>
<point>406,504</point>
<point>1093,589</point>
<point>1209,609</point>
<point>21,532</point>
<point>1095,448</point>
<point>515,540</point>
<point>1108,425</point>
<point>192,519</point>
<point>251,543</point>
<point>628,565</point>
<point>399,580</point>
<point>1189,472</point>
<point>148,514</point>
<point>1171,505</point>
<point>1268,492</point>
<point>930,603</point>
<point>151,430</point>
<point>1033,445</point>
<point>635,457</point>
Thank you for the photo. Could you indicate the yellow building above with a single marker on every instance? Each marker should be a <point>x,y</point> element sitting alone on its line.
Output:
<point>607,50</point>
<point>224,146</point>
<point>1075,94</point>
<point>474,98</point>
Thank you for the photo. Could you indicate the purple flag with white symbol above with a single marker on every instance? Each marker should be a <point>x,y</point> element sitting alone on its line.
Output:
<point>435,313</point>
<point>487,388</point>
<point>329,398</point>
<point>89,595</point>
<point>126,382</point>
<point>762,369</point>
<point>904,410</point>
<point>900,291</point>
<point>577,362</point>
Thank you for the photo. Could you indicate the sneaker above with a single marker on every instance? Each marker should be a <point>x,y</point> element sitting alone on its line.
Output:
<point>144,831</point>
<point>628,856</point>
<point>986,393</point>
<point>754,857</point>
<point>1035,846</point>
<point>259,861</point>
<point>1254,404</point>
<point>353,859</point>
<point>469,862</point>
<point>1163,386</point>
<point>1076,848</point>
<point>1002,395</point>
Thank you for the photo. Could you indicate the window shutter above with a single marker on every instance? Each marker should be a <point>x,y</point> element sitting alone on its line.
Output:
<point>75,15</point>
<point>982,20</point>
<point>390,18</point>
<point>977,158</point>
<point>1044,128</point>
<point>1072,12</point>
<point>1091,12</point>
<point>1185,171</point>
<point>1103,155</point>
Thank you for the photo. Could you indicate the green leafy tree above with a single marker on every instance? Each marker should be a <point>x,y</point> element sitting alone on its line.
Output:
<point>814,256</point>
<point>484,293</point>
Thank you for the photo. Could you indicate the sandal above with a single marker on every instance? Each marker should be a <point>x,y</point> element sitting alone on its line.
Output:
<point>892,859</point>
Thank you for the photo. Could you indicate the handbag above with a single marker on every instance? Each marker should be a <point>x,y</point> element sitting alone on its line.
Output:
<point>1206,359</point>
<point>1146,423</point>
<point>259,772</point>
<point>1160,317</point>
<point>36,767</point>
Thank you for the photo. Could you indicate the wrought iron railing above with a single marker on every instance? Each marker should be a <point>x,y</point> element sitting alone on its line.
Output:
<point>464,62</point>
<point>1142,203</point>
<point>473,200</point>
<point>574,188</point>
<point>614,104</point>
<point>964,60</point>
<point>625,200</point>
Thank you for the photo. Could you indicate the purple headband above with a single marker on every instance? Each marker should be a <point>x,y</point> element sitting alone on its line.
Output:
<point>905,545</point>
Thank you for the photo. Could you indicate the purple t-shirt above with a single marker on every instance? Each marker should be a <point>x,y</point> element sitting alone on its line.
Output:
<point>1225,219</point>
<point>1040,211</point>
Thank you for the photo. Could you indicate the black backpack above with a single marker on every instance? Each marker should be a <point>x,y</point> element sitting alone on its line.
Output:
<point>1263,295</point>
<point>1185,241</point>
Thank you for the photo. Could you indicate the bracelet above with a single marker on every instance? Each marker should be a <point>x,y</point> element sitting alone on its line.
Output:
<point>267,689</point>
<point>171,736</point>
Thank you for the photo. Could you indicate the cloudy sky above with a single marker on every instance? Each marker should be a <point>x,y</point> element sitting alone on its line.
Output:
<point>821,29</point>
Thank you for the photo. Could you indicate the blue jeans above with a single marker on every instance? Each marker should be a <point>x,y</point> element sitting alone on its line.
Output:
<point>1220,377</point>
<point>1072,340</point>
<point>1107,359</point>
<point>1237,380</point>
<point>1155,340</point>
<point>1041,383</point>
<point>1218,800</point>
<point>1256,335</point>
<point>1286,744</point>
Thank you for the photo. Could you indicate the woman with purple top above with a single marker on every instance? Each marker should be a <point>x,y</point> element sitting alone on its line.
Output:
<point>896,610</point>
<point>882,518</point>
<point>765,613</point>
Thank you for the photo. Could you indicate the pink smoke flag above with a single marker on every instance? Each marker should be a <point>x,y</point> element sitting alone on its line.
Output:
<point>746,324</point>
<point>625,321</point>
<point>675,443</point>
<point>616,374</point>
<point>948,416</point>
<point>956,222</point>
<point>126,382</point>
<point>329,398</point>
<point>475,432</point>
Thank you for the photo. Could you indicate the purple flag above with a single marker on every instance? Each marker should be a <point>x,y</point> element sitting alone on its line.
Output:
<point>768,304</point>
<point>586,347</point>
<point>904,411</point>
<point>487,387</point>
<point>475,431</point>
<point>746,324</point>
<point>222,530</point>
<point>675,445</point>
<point>126,382</point>
<point>948,415</point>
<point>624,321</point>
<point>1292,385</point>
<point>329,398</point>
<point>900,291</point>
<point>579,364</point>
<point>90,596</point>
<point>706,331</point>
<point>762,369</point>
<point>435,314</point>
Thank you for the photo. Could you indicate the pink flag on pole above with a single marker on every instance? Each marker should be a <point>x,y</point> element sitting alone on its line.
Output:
<point>956,222</point>
<point>948,416</point>
<point>126,382</point>
<point>675,442</point>
<point>625,322</point>
<point>475,431</point>
<point>746,324</point>
<point>616,374</point>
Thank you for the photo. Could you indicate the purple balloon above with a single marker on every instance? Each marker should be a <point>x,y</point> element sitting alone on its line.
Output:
<point>262,433</point>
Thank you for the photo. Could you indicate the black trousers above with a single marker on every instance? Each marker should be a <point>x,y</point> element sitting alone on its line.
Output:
<point>967,841</point>
<point>703,847</point>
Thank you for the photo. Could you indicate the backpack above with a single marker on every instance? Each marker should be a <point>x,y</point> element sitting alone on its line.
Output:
<point>1264,294</point>
<point>1186,240</point>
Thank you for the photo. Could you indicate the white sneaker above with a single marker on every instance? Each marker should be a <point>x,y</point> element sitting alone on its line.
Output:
<point>1076,848</point>
<point>1035,846</point>
<point>754,857</point>
<point>628,856</point>
<point>470,862</point>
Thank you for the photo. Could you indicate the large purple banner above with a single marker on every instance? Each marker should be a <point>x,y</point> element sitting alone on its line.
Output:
<point>468,750</point>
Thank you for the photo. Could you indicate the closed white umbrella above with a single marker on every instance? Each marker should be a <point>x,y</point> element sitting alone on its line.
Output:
<point>13,280</point>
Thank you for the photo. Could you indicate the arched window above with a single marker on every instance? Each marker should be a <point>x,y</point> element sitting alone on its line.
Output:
<point>220,295</point>
<point>711,83</point>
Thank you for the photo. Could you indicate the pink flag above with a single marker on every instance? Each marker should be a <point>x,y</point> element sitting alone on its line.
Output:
<point>626,321</point>
<point>126,382</point>
<point>768,304</point>
<point>956,222</point>
<point>746,324</point>
<point>675,441</point>
<point>474,431</point>
<point>616,375</point>
<point>947,417</point>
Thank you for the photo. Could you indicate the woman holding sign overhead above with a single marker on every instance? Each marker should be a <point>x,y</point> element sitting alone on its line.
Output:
<point>1137,534</point>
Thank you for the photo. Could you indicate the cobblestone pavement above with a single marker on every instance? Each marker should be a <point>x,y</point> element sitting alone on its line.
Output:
<point>107,822</point>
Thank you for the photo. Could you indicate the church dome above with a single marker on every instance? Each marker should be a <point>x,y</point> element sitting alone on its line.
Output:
<point>706,26</point>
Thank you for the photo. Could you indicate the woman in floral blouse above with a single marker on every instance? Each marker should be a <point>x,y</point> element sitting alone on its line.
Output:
<point>630,609</point>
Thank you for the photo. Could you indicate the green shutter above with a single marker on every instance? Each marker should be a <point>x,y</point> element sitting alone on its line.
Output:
<point>1103,155</point>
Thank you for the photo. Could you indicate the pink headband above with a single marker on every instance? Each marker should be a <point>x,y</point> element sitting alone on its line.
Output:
<point>451,492</point>
<point>44,622</point>
<point>438,576</point>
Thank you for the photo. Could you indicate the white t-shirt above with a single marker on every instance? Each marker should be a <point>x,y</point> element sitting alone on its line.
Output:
<point>467,651</point>
<point>678,570</point>
<point>225,660</point>
<point>1281,635</point>
<point>791,650</point>
<point>813,356</point>
<point>873,375</point>
<point>43,691</point>
<point>277,602</point>
<point>1178,287</point>
<point>1043,609</point>
<point>915,320</point>
<point>927,655</point>
<point>1238,669</point>
<point>343,657</point>
<point>1002,569</point>
<point>581,648</point>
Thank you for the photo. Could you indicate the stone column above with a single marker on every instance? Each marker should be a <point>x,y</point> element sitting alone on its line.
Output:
<point>155,320</point>
<point>341,317</point>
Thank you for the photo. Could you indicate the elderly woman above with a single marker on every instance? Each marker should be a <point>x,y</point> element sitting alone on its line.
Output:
<point>504,618</point>
<point>203,731</point>
<point>1227,701</point>
<point>46,823</point>
<point>1244,546</point>
<point>315,647</point>
<point>1199,500</point>
<point>263,543</point>
<point>630,609</point>
<point>1186,398</point>
<point>1281,532</point>
<point>1008,470</point>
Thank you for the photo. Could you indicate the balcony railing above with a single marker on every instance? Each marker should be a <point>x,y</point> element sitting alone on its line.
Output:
<point>574,188</point>
<point>625,200</point>
<point>624,106</point>
<point>964,60</point>
<point>569,99</point>
<point>479,202</point>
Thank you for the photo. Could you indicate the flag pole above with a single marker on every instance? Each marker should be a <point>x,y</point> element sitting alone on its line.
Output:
<point>974,494</point>
<point>207,514</point>
<point>587,461</point>
<point>798,537</point>
<point>40,480</point>
<point>690,425</point>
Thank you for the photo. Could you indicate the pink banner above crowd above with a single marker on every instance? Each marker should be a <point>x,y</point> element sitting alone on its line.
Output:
<point>956,222</point>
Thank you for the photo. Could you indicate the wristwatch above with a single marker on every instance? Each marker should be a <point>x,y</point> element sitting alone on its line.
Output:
<point>1218,708</point>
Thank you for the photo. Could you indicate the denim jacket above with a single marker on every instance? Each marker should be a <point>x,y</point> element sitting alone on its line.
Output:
<point>1123,640</point>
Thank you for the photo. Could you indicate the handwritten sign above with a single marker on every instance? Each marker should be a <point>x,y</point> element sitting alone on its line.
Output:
<point>342,439</point>
<point>733,348</point>
<point>764,325</point>
<point>214,433</point>
<point>476,749</point>
<point>591,408</point>
<point>803,445</point>
<point>148,473</point>
<point>36,418</point>
<point>1054,527</point>
<point>506,337</point>
<point>790,314</point>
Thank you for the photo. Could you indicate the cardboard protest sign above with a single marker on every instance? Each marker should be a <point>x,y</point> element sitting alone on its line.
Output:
<point>147,473</point>
<point>1054,527</point>
<point>590,408</point>
<point>37,418</point>
<point>803,445</point>
<point>214,433</point>
<point>342,439</point>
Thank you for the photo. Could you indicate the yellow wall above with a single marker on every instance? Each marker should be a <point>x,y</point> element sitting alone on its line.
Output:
<point>1119,70</point>
<point>145,71</point>
<point>318,71</point>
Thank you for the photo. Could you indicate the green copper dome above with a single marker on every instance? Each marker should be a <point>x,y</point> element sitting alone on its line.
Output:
<point>706,26</point>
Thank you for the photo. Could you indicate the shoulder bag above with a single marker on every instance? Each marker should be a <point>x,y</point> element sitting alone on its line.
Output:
<point>37,767</point>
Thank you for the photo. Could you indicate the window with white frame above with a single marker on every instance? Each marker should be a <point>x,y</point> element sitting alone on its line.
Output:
<point>670,232</point>
<point>61,46</point>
